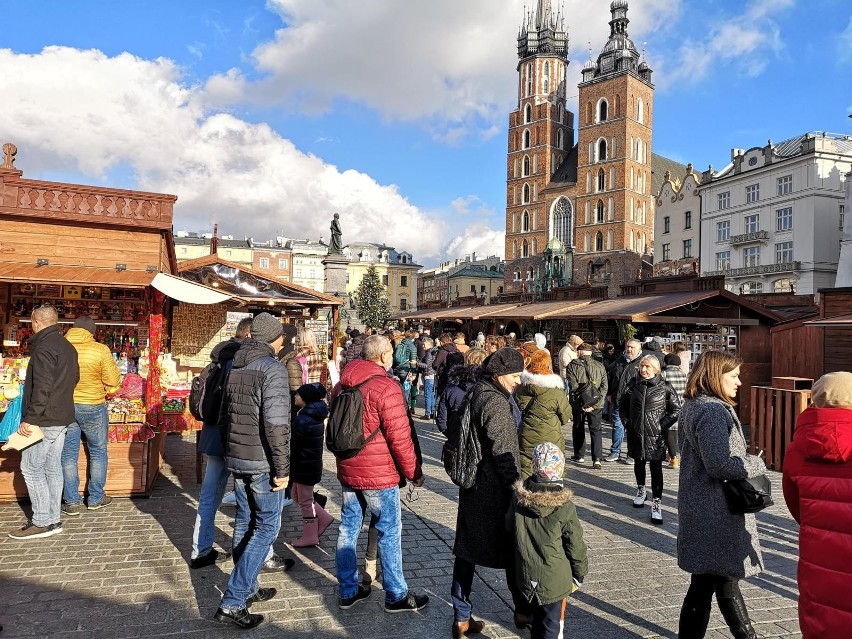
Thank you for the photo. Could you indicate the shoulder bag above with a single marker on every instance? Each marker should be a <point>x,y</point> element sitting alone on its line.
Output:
<point>750,495</point>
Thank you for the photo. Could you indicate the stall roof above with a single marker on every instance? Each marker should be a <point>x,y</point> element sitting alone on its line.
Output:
<point>642,308</point>
<point>242,283</point>
<point>186,291</point>
<point>838,321</point>
<point>459,312</point>
<point>86,276</point>
<point>546,310</point>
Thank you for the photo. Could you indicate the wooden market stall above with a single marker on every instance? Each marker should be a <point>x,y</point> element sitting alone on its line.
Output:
<point>94,251</point>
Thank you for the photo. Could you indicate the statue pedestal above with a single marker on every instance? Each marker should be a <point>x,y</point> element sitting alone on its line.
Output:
<point>335,275</point>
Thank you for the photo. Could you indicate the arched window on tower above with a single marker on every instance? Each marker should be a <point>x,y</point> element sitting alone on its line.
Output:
<point>528,114</point>
<point>515,248</point>
<point>527,138</point>
<point>601,180</point>
<point>599,241</point>
<point>560,139</point>
<point>587,242</point>
<point>588,181</point>
<point>611,210</point>
<point>563,222</point>
<point>603,110</point>
<point>525,222</point>
<point>546,84</point>
<point>526,199</point>
<point>535,246</point>
<point>640,111</point>
<point>526,165</point>
<point>599,212</point>
<point>529,79</point>
<point>610,239</point>
<point>525,249</point>
<point>601,150</point>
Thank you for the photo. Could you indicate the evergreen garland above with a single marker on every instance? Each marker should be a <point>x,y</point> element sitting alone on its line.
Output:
<point>371,300</point>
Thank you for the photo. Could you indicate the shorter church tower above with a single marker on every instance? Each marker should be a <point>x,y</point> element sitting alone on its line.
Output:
<point>614,211</point>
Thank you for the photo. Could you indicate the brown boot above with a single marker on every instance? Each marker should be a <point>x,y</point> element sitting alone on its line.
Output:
<point>468,626</point>
<point>309,534</point>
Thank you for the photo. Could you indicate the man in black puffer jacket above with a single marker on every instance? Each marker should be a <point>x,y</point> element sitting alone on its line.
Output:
<point>257,452</point>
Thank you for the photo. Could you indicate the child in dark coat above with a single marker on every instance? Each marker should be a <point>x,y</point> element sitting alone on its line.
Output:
<point>550,554</point>
<point>306,444</point>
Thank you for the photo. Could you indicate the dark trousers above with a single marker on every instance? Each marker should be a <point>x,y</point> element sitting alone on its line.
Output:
<point>549,621</point>
<point>580,419</point>
<point>463,572</point>
<point>656,476</point>
<point>672,443</point>
<point>695,612</point>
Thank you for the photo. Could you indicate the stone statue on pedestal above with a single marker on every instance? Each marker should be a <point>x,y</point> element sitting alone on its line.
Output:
<point>336,246</point>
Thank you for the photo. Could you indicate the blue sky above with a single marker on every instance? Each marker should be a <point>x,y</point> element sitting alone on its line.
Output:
<point>267,117</point>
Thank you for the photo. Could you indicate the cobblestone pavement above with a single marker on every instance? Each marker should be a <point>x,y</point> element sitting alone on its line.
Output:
<point>122,571</point>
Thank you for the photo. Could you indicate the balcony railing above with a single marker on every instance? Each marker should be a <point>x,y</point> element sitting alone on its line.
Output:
<point>750,238</point>
<point>784,267</point>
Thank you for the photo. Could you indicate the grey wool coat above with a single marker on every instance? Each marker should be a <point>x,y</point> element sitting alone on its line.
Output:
<point>710,539</point>
<point>481,534</point>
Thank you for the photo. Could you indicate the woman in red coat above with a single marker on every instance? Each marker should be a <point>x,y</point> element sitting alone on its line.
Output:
<point>818,491</point>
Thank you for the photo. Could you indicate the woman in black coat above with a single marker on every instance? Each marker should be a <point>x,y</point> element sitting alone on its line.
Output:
<point>648,407</point>
<point>482,538</point>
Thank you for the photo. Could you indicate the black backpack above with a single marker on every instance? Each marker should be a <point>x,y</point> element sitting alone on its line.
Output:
<point>344,433</point>
<point>207,392</point>
<point>462,451</point>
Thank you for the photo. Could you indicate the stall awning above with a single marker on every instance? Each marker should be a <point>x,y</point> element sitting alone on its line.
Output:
<point>81,275</point>
<point>186,291</point>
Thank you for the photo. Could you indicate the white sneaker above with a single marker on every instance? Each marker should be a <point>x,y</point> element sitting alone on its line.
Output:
<point>656,512</point>
<point>629,460</point>
<point>641,496</point>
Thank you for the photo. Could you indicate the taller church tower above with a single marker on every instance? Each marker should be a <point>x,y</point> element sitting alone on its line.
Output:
<point>541,134</point>
<point>614,201</point>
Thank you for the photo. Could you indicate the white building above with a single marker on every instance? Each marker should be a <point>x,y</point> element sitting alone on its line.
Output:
<point>677,224</point>
<point>770,219</point>
<point>307,269</point>
<point>844,268</point>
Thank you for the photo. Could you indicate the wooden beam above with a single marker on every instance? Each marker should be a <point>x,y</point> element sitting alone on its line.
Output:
<point>674,319</point>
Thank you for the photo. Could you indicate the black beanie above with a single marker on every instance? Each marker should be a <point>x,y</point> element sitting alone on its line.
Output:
<point>311,393</point>
<point>503,362</point>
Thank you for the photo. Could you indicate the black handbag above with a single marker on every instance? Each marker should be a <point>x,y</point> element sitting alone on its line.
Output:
<point>749,495</point>
<point>587,394</point>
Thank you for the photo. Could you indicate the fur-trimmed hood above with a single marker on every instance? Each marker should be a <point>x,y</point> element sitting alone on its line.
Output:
<point>545,381</point>
<point>464,376</point>
<point>541,499</point>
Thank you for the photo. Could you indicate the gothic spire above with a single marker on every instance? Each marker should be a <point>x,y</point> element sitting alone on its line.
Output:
<point>541,33</point>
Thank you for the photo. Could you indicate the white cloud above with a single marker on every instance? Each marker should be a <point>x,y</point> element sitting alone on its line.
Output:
<point>446,64</point>
<point>844,45</point>
<point>82,111</point>
<point>477,238</point>
<point>748,40</point>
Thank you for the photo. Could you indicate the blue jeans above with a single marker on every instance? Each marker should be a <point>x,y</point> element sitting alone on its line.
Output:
<point>384,505</point>
<point>41,466</point>
<point>429,392</point>
<point>93,422</point>
<point>212,490</point>
<point>617,432</point>
<point>256,526</point>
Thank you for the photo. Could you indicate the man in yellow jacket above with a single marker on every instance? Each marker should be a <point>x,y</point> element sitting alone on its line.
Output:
<point>98,375</point>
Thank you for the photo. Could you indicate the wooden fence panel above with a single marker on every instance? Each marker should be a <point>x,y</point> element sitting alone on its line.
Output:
<point>773,415</point>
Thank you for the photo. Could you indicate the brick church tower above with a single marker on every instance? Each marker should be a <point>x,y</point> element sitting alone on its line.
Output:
<point>541,134</point>
<point>595,197</point>
<point>614,227</point>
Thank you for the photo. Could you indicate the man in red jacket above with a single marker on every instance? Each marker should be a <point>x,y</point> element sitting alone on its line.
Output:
<point>818,490</point>
<point>371,479</point>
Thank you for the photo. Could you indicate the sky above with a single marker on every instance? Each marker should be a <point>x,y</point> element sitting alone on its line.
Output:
<point>266,117</point>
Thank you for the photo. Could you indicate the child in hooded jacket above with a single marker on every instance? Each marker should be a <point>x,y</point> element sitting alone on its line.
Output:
<point>306,446</point>
<point>550,554</point>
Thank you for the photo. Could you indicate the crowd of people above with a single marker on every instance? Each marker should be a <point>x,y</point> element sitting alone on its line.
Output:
<point>267,431</point>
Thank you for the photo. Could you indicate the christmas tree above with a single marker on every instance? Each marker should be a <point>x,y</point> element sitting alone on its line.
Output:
<point>371,299</point>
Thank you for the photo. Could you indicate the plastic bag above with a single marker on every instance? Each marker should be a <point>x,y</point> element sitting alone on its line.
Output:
<point>12,418</point>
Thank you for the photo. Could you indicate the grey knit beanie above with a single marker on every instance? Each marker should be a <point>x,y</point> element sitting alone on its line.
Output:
<point>266,328</point>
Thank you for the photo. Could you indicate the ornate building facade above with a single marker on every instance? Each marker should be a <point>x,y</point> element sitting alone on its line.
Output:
<point>596,196</point>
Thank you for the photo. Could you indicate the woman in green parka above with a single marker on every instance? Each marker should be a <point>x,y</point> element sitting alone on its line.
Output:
<point>544,406</point>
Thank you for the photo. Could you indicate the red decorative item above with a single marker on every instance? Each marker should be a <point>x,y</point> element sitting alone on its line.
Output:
<point>133,387</point>
<point>153,392</point>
